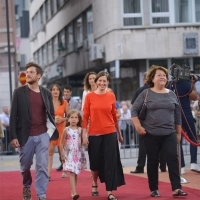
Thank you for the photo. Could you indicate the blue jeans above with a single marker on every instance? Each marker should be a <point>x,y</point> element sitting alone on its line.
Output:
<point>35,145</point>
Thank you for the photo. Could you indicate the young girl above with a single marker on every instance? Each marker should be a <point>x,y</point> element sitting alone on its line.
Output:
<point>72,154</point>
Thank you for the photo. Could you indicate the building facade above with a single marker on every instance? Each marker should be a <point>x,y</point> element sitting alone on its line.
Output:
<point>23,44</point>
<point>124,37</point>
<point>5,92</point>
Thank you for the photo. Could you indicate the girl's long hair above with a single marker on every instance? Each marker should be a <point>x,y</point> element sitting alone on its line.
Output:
<point>60,97</point>
<point>71,112</point>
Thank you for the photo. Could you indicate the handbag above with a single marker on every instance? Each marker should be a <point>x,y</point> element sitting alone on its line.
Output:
<point>143,111</point>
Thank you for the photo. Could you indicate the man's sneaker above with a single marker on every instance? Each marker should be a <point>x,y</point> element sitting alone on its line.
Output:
<point>155,193</point>
<point>195,167</point>
<point>26,193</point>
<point>42,198</point>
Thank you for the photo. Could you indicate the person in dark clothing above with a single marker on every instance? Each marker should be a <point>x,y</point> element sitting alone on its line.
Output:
<point>161,128</point>
<point>186,90</point>
<point>142,150</point>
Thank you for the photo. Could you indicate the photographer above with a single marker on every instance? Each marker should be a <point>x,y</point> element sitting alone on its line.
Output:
<point>183,85</point>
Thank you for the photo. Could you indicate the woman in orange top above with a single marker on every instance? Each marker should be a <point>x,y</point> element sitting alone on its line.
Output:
<point>103,149</point>
<point>60,109</point>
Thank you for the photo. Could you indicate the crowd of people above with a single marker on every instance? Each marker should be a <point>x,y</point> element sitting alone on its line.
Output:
<point>42,119</point>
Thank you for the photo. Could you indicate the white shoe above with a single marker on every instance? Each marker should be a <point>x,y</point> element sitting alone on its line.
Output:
<point>183,171</point>
<point>195,167</point>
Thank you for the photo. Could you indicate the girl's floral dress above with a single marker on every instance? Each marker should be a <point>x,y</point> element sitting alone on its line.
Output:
<point>74,152</point>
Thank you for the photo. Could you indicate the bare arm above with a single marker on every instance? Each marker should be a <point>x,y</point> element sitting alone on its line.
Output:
<point>193,95</point>
<point>178,132</point>
<point>62,144</point>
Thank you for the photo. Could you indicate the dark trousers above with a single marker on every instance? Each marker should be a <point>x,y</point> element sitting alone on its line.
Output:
<point>189,127</point>
<point>142,156</point>
<point>153,146</point>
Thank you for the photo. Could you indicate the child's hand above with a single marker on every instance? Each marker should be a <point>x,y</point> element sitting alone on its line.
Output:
<point>85,141</point>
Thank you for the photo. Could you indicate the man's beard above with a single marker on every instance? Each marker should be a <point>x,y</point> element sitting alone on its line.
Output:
<point>31,82</point>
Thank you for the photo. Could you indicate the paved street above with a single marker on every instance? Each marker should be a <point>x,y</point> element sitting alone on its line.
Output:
<point>11,162</point>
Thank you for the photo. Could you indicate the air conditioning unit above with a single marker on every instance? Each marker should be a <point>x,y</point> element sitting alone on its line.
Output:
<point>96,52</point>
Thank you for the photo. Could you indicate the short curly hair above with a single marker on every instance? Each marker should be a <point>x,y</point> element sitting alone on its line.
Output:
<point>37,67</point>
<point>86,83</point>
<point>151,74</point>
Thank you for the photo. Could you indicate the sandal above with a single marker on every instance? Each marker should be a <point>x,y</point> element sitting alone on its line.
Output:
<point>112,197</point>
<point>180,193</point>
<point>96,193</point>
<point>75,197</point>
<point>64,175</point>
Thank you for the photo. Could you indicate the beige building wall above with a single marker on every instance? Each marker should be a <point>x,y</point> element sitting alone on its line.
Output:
<point>4,69</point>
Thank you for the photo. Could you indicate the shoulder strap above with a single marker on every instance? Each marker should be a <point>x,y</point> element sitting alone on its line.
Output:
<point>146,96</point>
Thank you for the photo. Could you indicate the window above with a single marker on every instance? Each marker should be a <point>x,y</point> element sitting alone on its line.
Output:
<point>197,10</point>
<point>89,19</point>
<point>160,11</point>
<point>196,62</point>
<point>47,10</point>
<point>55,47</point>
<point>35,57</point>
<point>49,52</point>
<point>79,32</point>
<point>190,43</point>
<point>44,55</point>
<point>162,63</point>
<point>70,38</point>
<point>40,62</point>
<point>132,15</point>
<point>183,11</point>
<point>62,39</point>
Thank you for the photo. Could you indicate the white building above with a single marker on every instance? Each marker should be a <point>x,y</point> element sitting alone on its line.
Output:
<point>124,37</point>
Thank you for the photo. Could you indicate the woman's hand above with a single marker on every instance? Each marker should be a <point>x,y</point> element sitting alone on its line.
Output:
<point>58,119</point>
<point>120,138</point>
<point>178,137</point>
<point>140,130</point>
<point>85,141</point>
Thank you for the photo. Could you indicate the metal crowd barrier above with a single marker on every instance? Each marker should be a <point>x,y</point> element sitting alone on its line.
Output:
<point>5,148</point>
<point>129,148</point>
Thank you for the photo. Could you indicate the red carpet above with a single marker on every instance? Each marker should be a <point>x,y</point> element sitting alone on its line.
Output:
<point>136,188</point>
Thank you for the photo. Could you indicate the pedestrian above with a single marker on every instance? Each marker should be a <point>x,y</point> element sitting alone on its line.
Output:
<point>72,104</point>
<point>72,152</point>
<point>103,148</point>
<point>142,150</point>
<point>186,91</point>
<point>60,110</point>
<point>32,126</point>
<point>89,85</point>
<point>161,128</point>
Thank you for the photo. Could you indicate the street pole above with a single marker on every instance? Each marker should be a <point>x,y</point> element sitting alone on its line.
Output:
<point>9,57</point>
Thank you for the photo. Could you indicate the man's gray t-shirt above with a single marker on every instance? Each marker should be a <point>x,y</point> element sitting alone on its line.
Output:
<point>163,112</point>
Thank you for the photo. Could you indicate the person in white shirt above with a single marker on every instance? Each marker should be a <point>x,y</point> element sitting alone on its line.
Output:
<point>5,117</point>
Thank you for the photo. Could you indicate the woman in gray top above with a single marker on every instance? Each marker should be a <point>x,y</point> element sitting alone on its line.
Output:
<point>161,128</point>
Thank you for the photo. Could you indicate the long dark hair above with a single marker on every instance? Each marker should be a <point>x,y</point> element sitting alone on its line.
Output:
<point>60,97</point>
